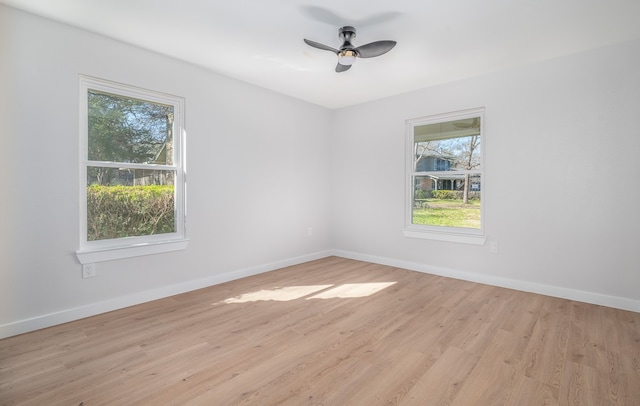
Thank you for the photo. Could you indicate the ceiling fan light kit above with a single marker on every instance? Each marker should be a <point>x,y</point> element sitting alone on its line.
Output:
<point>346,57</point>
<point>347,53</point>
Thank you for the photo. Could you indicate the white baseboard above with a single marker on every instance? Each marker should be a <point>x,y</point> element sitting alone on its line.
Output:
<point>92,309</point>
<point>525,286</point>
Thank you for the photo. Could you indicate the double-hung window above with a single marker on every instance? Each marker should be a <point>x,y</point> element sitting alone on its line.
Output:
<point>445,177</point>
<point>132,171</point>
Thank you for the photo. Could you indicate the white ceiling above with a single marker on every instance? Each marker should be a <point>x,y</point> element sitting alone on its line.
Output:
<point>260,41</point>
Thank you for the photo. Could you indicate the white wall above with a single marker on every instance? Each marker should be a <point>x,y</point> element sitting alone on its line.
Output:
<point>562,186</point>
<point>256,162</point>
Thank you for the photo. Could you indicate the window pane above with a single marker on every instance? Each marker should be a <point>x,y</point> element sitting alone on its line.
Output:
<point>126,202</point>
<point>447,146</point>
<point>122,129</point>
<point>443,200</point>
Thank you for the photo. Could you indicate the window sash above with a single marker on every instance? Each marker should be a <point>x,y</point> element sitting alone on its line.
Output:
<point>111,164</point>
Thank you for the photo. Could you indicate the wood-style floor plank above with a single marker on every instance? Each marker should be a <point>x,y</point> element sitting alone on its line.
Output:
<point>321,333</point>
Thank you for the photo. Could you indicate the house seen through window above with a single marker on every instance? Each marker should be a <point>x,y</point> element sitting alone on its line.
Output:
<point>132,167</point>
<point>445,174</point>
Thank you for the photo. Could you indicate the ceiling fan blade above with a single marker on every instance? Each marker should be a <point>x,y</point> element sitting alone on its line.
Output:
<point>320,46</point>
<point>342,68</point>
<point>374,49</point>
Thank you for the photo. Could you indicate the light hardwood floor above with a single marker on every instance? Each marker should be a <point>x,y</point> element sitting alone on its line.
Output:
<point>423,340</point>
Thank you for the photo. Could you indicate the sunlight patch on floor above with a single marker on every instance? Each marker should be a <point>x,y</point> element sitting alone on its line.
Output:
<point>283,294</point>
<point>287,293</point>
<point>352,290</point>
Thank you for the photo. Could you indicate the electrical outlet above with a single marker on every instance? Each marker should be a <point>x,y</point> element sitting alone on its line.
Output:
<point>88,270</point>
<point>493,247</point>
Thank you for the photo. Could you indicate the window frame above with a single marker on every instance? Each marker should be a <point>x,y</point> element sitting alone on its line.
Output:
<point>126,247</point>
<point>475,236</point>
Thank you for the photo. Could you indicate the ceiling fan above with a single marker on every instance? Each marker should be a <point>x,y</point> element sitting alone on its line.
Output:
<point>347,53</point>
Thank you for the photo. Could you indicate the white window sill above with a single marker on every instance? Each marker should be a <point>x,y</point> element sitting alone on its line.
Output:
<point>444,236</point>
<point>89,256</point>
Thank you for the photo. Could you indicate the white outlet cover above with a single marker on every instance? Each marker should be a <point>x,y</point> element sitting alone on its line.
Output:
<point>88,270</point>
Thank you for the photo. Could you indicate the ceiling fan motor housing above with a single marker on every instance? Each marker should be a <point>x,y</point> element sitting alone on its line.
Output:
<point>346,34</point>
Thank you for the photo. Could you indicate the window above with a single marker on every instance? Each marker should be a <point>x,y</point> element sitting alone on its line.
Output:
<point>444,177</point>
<point>132,181</point>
